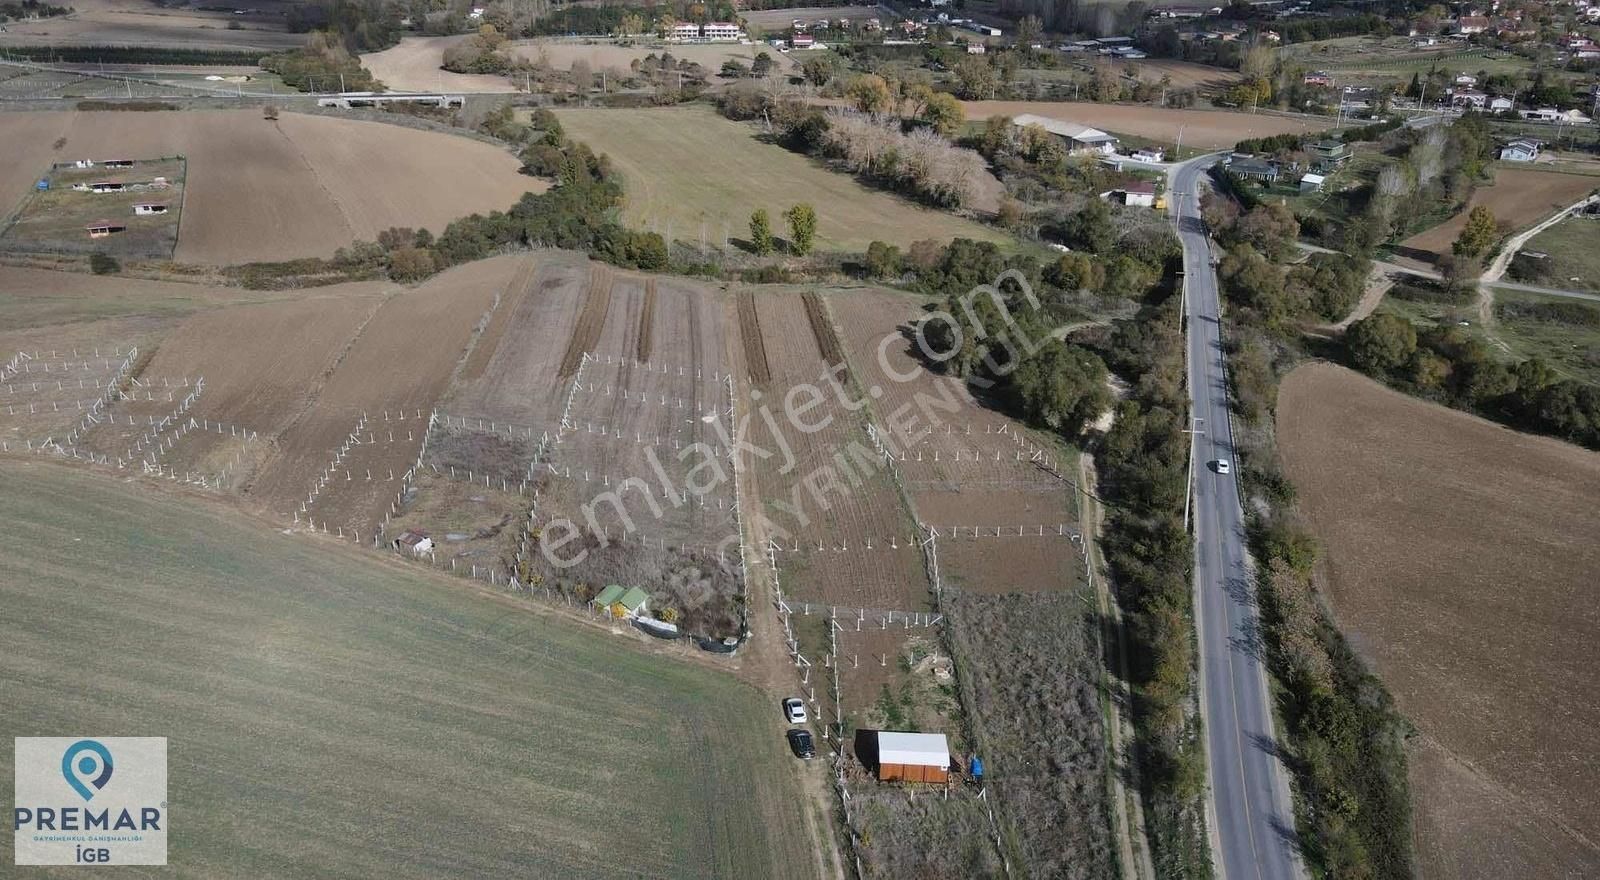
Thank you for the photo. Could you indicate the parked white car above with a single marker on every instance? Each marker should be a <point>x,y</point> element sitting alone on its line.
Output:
<point>794,709</point>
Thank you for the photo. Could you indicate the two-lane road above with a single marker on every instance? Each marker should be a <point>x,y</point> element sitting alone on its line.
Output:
<point>1250,812</point>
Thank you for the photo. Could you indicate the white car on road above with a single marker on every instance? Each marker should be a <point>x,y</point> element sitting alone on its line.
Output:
<point>1223,466</point>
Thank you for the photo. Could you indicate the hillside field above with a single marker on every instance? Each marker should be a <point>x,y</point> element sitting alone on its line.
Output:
<point>1519,198</point>
<point>685,168</point>
<point>257,190</point>
<point>327,715</point>
<point>1460,561</point>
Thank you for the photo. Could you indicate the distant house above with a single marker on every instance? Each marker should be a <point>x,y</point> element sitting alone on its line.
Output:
<point>976,49</point>
<point>1500,105</point>
<point>913,757</point>
<point>1520,150</point>
<point>618,601</point>
<point>722,32</point>
<point>1466,79</point>
<point>117,163</point>
<point>1149,154</point>
<point>143,209</point>
<point>1311,183</point>
<point>1251,168</point>
<point>1318,78</point>
<point>1472,24</point>
<point>103,228</point>
<point>414,541</point>
<point>1328,155</point>
<point>684,32</point>
<point>1469,98</point>
<point>1079,138</point>
<point>802,41</point>
<point>1140,195</point>
<point>107,187</point>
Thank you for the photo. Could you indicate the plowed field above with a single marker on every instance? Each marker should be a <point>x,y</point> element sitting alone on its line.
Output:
<point>1461,561</point>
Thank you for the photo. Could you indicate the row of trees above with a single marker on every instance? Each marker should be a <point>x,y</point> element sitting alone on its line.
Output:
<point>802,220</point>
<point>920,162</point>
<point>1450,365</point>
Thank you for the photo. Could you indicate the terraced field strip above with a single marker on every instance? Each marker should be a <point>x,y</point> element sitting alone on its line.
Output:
<point>647,320</point>
<point>822,329</point>
<point>591,321</point>
<point>755,347</point>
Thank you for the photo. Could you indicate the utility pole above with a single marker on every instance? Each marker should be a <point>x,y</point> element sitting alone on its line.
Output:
<point>1188,485</point>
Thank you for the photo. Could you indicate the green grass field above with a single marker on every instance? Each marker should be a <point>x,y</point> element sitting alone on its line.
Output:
<point>331,714</point>
<point>688,170</point>
<point>1532,326</point>
<point>1574,261</point>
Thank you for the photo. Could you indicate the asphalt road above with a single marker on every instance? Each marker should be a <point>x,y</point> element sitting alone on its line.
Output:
<point>1250,813</point>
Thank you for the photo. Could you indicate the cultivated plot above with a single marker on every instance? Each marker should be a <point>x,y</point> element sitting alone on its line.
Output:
<point>1460,561</point>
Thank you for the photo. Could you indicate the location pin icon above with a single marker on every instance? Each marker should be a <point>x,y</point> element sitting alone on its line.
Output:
<point>86,765</point>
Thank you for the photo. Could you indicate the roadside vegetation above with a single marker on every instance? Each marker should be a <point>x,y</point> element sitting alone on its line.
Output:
<point>1342,738</point>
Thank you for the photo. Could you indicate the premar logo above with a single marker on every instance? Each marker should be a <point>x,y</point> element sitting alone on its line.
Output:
<point>96,773</point>
<point>90,800</point>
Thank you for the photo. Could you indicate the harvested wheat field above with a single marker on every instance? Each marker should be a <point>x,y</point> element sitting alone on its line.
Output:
<point>561,53</point>
<point>1519,198</point>
<point>688,171</point>
<point>300,187</point>
<point>1461,560</point>
<point>1210,129</point>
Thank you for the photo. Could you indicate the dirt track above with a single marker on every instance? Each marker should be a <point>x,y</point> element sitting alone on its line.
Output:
<point>1460,562</point>
<point>256,190</point>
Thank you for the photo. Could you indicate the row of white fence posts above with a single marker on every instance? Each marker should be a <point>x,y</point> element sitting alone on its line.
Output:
<point>547,445</point>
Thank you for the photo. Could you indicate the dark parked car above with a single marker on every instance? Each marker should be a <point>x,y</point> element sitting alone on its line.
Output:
<point>800,743</point>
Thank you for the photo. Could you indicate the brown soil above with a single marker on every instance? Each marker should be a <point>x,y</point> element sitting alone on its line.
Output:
<point>647,319</point>
<point>822,330</point>
<point>257,190</point>
<point>596,302</point>
<point>1460,561</point>
<point>750,338</point>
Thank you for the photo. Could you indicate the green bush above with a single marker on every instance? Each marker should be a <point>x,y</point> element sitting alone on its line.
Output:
<point>103,264</point>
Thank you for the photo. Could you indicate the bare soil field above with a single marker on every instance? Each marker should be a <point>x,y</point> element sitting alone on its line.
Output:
<point>311,183</point>
<point>1519,198</point>
<point>413,66</point>
<point>688,171</point>
<point>1213,129</point>
<point>393,373</point>
<point>1460,561</point>
<point>141,23</point>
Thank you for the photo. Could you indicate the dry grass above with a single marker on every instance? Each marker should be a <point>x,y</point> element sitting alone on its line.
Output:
<point>1460,562</point>
<point>1519,198</point>
<point>688,170</point>
<point>132,22</point>
<point>1210,129</point>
